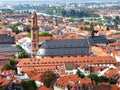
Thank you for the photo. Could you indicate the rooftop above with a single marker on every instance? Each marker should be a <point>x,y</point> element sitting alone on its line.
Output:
<point>6,39</point>
<point>64,47</point>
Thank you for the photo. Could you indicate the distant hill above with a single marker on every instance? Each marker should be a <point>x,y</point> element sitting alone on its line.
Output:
<point>60,1</point>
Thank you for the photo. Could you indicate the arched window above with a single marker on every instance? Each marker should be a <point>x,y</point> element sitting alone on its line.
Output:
<point>34,36</point>
<point>34,45</point>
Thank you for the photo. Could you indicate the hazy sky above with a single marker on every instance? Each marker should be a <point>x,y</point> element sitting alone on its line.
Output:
<point>61,0</point>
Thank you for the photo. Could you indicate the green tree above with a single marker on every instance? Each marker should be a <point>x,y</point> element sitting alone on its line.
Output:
<point>48,78</point>
<point>29,85</point>
<point>117,33</point>
<point>7,67</point>
<point>99,79</point>
<point>64,13</point>
<point>93,77</point>
<point>80,74</point>
<point>17,24</point>
<point>23,54</point>
<point>9,26</point>
<point>100,23</point>
<point>12,61</point>
<point>113,80</point>
<point>91,26</point>
<point>19,47</point>
<point>15,29</point>
<point>87,23</point>
<point>2,88</point>
<point>27,28</point>
<point>8,11</point>
<point>45,34</point>
<point>71,20</point>
<point>29,34</point>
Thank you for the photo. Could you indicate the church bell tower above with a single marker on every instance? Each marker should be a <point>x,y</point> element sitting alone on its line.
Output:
<point>34,35</point>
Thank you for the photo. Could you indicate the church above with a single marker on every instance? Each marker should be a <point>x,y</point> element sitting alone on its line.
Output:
<point>70,47</point>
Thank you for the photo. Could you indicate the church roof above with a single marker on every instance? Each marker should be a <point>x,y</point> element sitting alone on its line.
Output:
<point>98,39</point>
<point>64,47</point>
<point>71,43</point>
<point>8,48</point>
<point>6,39</point>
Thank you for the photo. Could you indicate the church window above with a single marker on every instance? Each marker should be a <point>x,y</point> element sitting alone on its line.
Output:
<point>52,56</point>
<point>34,45</point>
<point>61,56</point>
<point>69,55</point>
<point>34,36</point>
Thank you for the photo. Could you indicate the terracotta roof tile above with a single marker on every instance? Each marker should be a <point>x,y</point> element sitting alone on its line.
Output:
<point>44,88</point>
<point>96,68</point>
<point>112,73</point>
<point>48,63</point>
<point>72,80</point>
<point>114,87</point>
<point>5,82</point>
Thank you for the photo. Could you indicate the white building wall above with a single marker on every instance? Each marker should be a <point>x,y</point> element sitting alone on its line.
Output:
<point>38,83</point>
<point>57,88</point>
<point>18,70</point>
<point>117,58</point>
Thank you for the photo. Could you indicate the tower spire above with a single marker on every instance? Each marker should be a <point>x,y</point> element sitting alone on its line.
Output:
<point>34,19</point>
<point>34,35</point>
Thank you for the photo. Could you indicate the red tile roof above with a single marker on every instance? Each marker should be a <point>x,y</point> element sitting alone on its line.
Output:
<point>96,68</point>
<point>59,60</point>
<point>5,82</point>
<point>48,63</point>
<point>114,87</point>
<point>72,80</point>
<point>112,73</point>
<point>44,88</point>
<point>8,72</point>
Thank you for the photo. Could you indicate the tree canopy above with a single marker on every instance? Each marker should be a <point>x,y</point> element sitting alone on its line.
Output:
<point>14,27</point>
<point>48,78</point>
<point>80,74</point>
<point>29,85</point>
<point>45,34</point>
<point>7,67</point>
<point>99,79</point>
<point>42,34</point>
<point>2,88</point>
<point>23,53</point>
<point>12,61</point>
